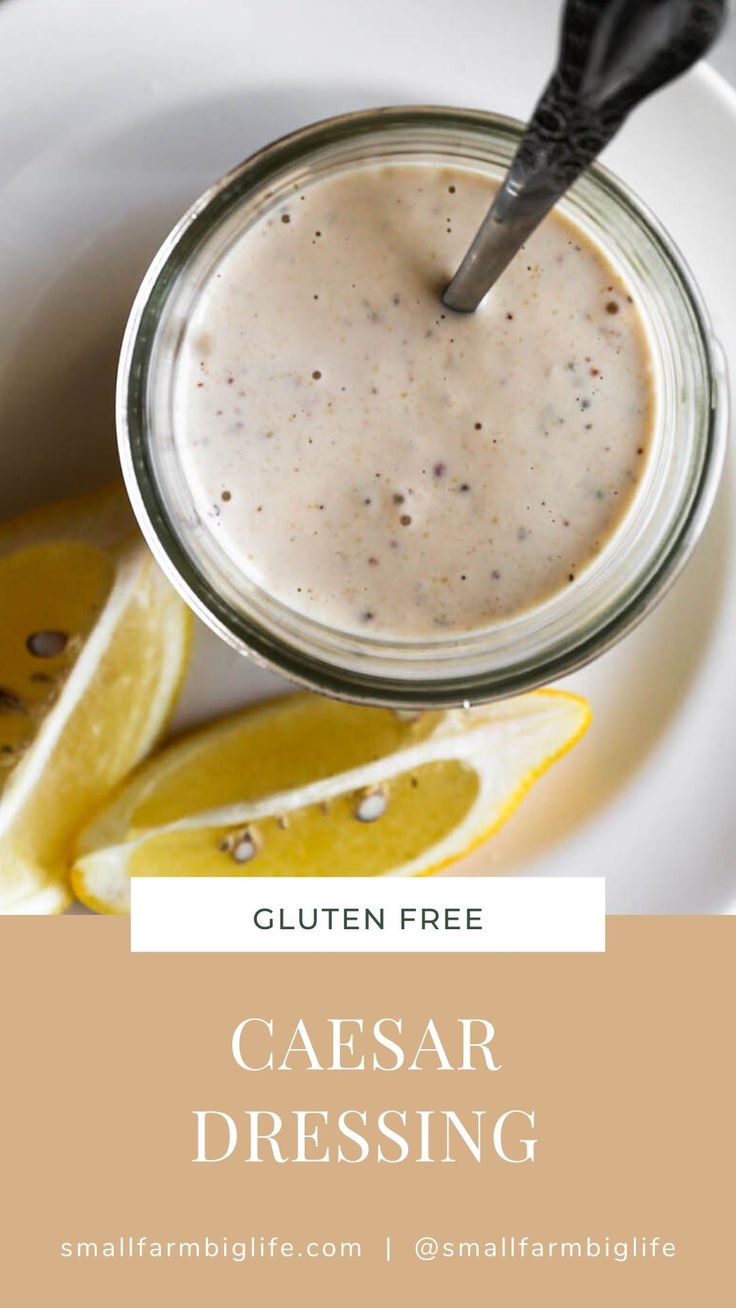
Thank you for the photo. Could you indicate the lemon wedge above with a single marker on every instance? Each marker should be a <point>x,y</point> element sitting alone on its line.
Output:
<point>305,786</point>
<point>92,651</point>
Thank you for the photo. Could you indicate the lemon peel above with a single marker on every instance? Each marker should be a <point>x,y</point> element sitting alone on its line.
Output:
<point>410,797</point>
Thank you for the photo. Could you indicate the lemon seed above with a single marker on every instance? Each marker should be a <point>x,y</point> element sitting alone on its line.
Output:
<point>245,847</point>
<point>371,805</point>
<point>47,644</point>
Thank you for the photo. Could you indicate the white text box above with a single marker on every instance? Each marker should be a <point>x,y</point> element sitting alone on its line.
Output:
<point>356,915</point>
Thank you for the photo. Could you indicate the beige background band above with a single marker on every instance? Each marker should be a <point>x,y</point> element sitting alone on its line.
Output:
<point>627,1059</point>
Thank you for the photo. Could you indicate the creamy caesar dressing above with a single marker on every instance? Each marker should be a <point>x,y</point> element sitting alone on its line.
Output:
<point>382,464</point>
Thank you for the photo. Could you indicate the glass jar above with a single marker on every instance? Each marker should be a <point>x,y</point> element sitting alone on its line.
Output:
<point>615,591</point>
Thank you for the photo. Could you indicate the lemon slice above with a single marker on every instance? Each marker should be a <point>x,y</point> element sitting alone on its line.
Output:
<point>92,651</point>
<point>305,786</point>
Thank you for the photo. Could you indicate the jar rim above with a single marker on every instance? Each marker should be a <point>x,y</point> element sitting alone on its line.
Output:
<point>364,671</point>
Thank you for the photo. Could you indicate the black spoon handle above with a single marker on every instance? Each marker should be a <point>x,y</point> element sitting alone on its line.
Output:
<point>613,53</point>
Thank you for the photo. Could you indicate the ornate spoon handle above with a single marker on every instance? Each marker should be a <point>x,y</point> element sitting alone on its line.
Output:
<point>613,53</point>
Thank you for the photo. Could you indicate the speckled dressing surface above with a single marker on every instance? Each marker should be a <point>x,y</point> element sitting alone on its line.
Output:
<point>377,461</point>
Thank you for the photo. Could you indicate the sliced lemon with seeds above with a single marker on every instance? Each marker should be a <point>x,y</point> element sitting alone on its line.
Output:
<point>305,786</point>
<point>92,650</point>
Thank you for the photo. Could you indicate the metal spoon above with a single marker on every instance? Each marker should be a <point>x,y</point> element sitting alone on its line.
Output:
<point>613,53</point>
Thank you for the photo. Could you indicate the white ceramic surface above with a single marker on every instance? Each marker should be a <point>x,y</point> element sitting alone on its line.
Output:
<point>116,115</point>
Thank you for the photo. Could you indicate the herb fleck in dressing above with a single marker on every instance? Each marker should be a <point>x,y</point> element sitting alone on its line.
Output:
<point>382,464</point>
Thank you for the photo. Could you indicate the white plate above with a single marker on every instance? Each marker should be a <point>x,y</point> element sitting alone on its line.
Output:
<point>115,116</point>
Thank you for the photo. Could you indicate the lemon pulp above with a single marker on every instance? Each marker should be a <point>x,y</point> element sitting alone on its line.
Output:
<point>92,651</point>
<point>421,809</point>
<point>52,595</point>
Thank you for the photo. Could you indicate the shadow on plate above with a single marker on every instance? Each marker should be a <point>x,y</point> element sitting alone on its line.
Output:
<point>637,691</point>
